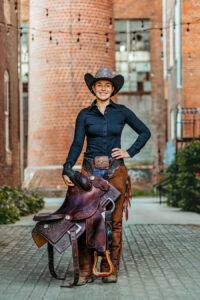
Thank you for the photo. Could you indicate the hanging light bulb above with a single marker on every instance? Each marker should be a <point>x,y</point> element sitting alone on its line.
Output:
<point>161,55</point>
<point>47,12</point>
<point>142,24</point>
<point>110,25</point>
<point>134,36</point>
<point>21,33</point>
<point>188,29</point>
<point>57,43</point>
<point>16,7</point>
<point>8,31</point>
<point>78,39</point>
<point>32,37</point>
<point>174,26</point>
<point>79,17</point>
<point>106,52</point>
<point>161,34</point>
<point>189,56</point>
<point>107,40</point>
<point>50,36</point>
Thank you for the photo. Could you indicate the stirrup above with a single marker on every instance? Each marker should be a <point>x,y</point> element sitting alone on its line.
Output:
<point>94,268</point>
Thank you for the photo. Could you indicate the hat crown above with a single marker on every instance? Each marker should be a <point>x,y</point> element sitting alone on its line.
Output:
<point>103,72</point>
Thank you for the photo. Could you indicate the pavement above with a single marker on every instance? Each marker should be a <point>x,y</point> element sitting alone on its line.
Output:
<point>160,260</point>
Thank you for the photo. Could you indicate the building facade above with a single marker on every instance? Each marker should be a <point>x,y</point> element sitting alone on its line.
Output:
<point>68,40</point>
<point>181,73</point>
<point>10,163</point>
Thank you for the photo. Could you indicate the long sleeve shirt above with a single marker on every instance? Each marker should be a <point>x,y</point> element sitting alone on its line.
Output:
<point>103,132</point>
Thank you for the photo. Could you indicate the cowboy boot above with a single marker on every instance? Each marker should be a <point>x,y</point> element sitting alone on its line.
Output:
<point>85,262</point>
<point>116,253</point>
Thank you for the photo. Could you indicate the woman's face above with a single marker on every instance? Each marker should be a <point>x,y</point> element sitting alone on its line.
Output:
<point>103,89</point>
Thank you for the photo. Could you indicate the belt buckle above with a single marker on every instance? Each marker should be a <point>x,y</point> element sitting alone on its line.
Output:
<point>101,162</point>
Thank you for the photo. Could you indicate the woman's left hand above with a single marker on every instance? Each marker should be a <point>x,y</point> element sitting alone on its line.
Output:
<point>119,153</point>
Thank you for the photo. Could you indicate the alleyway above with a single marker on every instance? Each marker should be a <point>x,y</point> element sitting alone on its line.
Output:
<point>160,261</point>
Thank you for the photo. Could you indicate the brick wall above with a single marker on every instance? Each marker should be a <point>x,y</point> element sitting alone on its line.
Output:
<point>151,108</point>
<point>191,44</point>
<point>10,172</point>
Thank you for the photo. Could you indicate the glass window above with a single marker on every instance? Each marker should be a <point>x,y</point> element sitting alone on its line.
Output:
<point>132,54</point>
<point>24,44</point>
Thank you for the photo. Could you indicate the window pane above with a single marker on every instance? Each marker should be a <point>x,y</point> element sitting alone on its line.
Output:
<point>133,54</point>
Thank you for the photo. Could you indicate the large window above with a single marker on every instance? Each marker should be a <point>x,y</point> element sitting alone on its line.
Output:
<point>132,54</point>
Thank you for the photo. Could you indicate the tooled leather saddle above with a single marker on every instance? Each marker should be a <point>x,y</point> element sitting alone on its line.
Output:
<point>81,211</point>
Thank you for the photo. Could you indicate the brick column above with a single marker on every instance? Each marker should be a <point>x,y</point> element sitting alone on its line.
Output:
<point>57,91</point>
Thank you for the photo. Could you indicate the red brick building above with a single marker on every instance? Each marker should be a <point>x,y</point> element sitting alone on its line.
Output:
<point>68,40</point>
<point>181,72</point>
<point>9,96</point>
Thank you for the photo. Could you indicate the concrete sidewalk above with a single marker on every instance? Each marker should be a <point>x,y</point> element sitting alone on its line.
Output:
<point>142,211</point>
<point>160,260</point>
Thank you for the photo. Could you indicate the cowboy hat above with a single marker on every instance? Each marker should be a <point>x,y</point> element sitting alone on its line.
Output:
<point>104,74</point>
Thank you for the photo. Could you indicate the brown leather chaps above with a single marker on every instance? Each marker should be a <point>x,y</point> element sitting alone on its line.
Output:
<point>118,180</point>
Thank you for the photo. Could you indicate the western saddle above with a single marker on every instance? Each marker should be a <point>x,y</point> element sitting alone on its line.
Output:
<point>81,211</point>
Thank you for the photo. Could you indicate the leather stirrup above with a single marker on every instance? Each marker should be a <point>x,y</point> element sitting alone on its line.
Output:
<point>94,268</point>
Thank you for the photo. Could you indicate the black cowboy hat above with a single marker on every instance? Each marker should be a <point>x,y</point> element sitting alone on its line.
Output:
<point>104,74</point>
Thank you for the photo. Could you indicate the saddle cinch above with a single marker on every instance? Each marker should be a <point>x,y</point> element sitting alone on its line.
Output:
<point>81,211</point>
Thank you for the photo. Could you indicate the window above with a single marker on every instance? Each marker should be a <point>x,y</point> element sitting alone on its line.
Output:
<point>172,129</point>
<point>24,58</point>
<point>132,54</point>
<point>7,111</point>
<point>171,43</point>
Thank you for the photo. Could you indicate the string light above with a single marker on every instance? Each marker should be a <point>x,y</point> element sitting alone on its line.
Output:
<point>21,33</point>
<point>161,34</point>
<point>134,33</point>
<point>174,26</point>
<point>107,40</point>
<point>16,6</point>
<point>188,29</point>
<point>110,25</point>
<point>189,56</point>
<point>50,36</point>
<point>78,39</point>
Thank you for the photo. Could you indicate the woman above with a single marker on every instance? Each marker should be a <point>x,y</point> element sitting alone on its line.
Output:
<point>102,123</point>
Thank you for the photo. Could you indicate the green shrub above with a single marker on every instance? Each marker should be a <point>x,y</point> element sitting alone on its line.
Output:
<point>15,202</point>
<point>183,189</point>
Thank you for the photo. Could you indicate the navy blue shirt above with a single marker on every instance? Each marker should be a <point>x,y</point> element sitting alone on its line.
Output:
<point>103,132</point>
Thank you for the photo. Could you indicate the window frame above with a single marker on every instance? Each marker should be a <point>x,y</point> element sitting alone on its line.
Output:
<point>128,20</point>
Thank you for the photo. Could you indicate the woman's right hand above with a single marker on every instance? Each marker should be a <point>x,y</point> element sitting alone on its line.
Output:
<point>67,181</point>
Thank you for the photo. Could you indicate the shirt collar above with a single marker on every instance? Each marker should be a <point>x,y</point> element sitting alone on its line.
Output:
<point>94,104</point>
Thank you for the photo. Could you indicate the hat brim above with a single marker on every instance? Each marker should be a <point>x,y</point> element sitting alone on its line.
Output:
<point>117,81</point>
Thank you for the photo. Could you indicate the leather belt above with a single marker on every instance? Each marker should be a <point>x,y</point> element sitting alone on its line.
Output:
<point>114,164</point>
